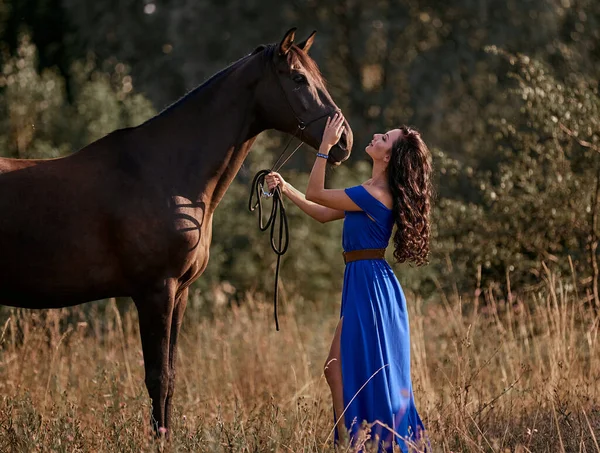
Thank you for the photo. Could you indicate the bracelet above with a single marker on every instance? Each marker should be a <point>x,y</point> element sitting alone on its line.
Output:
<point>324,156</point>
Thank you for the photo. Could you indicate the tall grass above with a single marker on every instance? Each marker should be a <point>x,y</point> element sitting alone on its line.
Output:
<point>492,371</point>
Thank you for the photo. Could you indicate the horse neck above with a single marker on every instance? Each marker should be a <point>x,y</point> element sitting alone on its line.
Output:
<point>198,145</point>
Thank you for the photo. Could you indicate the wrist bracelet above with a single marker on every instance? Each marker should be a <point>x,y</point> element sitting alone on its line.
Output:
<point>324,156</point>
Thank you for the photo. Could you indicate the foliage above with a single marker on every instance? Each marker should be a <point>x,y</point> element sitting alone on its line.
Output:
<point>540,201</point>
<point>38,121</point>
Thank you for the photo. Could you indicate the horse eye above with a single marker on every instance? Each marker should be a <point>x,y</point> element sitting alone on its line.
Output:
<point>299,78</point>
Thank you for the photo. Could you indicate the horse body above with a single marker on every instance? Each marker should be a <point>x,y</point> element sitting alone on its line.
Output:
<point>131,208</point>
<point>131,214</point>
<point>54,228</point>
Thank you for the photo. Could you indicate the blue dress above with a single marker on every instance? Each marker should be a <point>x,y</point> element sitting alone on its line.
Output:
<point>375,340</point>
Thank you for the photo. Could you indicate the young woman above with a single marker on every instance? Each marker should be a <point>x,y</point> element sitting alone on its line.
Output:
<point>368,368</point>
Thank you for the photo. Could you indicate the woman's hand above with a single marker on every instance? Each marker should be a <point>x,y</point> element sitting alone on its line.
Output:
<point>333,130</point>
<point>274,179</point>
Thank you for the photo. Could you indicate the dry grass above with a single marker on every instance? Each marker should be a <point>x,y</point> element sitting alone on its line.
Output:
<point>491,372</point>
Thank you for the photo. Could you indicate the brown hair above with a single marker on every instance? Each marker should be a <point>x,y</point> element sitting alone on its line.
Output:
<point>409,179</point>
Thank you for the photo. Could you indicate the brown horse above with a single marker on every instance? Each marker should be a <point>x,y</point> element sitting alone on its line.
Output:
<point>130,215</point>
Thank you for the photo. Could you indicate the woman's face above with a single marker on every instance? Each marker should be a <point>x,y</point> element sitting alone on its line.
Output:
<point>380,147</point>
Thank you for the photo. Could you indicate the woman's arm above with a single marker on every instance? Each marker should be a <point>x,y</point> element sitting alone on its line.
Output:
<point>321,213</point>
<point>316,192</point>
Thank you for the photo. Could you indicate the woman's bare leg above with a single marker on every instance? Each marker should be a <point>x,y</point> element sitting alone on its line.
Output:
<point>333,374</point>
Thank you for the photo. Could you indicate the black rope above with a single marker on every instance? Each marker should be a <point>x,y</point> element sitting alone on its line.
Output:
<point>277,213</point>
<point>278,208</point>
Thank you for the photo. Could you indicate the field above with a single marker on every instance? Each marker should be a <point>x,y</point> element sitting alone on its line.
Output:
<point>492,372</point>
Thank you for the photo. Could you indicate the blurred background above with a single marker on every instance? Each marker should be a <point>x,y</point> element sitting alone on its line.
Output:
<point>505,93</point>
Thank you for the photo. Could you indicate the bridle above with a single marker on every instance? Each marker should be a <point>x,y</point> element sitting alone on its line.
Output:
<point>278,208</point>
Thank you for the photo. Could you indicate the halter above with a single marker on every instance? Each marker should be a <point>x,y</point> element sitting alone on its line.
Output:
<point>278,208</point>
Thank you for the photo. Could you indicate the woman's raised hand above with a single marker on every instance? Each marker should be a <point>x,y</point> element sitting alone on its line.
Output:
<point>333,130</point>
<point>274,179</point>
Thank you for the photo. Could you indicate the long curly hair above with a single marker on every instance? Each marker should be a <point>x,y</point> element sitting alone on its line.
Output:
<point>409,179</point>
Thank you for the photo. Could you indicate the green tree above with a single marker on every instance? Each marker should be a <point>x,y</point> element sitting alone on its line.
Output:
<point>540,203</point>
<point>38,121</point>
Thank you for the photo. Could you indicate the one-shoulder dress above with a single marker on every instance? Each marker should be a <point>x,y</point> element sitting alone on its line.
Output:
<point>375,340</point>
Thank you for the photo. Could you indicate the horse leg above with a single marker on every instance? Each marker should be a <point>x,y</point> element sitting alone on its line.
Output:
<point>155,311</point>
<point>178,312</point>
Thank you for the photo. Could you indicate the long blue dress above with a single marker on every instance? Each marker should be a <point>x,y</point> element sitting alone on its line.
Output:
<point>375,340</point>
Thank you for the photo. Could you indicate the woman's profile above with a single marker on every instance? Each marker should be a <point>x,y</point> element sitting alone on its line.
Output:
<point>368,367</point>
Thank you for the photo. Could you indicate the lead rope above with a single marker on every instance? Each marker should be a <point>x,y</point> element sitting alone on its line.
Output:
<point>277,211</point>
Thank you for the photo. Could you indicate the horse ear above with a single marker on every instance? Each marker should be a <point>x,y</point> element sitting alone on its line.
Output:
<point>308,42</point>
<point>287,41</point>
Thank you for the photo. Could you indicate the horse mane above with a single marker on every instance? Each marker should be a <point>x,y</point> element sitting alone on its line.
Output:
<point>207,84</point>
<point>295,56</point>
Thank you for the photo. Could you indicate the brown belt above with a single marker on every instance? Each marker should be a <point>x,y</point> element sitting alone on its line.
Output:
<point>364,254</point>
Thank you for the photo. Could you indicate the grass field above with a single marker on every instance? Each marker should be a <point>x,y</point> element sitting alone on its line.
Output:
<point>492,371</point>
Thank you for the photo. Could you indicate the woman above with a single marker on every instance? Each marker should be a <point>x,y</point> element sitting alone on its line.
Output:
<point>368,368</point>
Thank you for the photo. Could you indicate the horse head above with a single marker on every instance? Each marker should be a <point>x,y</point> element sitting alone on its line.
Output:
<point>293,98</point>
